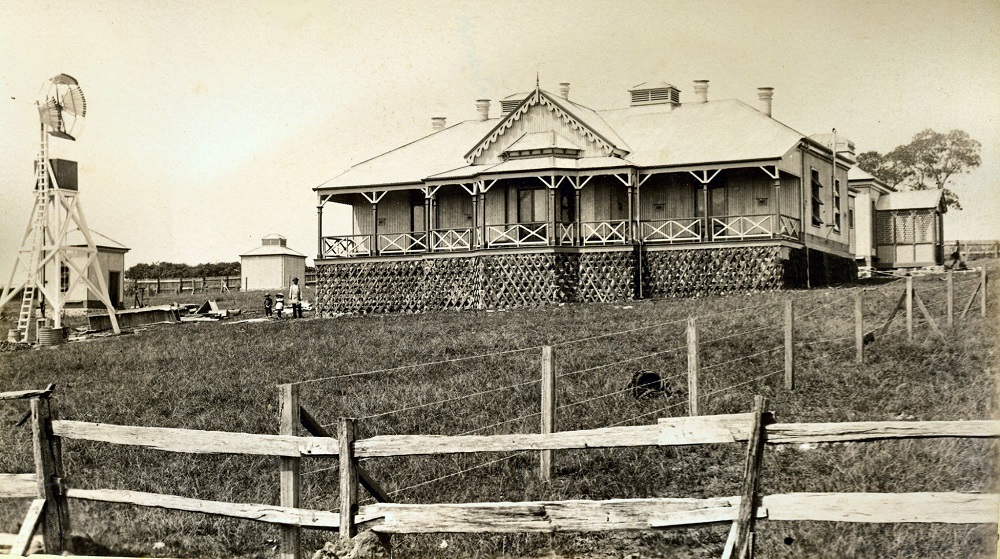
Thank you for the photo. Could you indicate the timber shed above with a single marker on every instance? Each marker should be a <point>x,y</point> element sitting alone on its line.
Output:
<point>909,229</point>
<point>110,256</point>
<point>272,265</point>
<point>552,201</point>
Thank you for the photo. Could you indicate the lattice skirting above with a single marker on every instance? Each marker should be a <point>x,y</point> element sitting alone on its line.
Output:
<point>606,277</point>
<point>500,281</point>
<point>698,272</point>
<point>371,287</point>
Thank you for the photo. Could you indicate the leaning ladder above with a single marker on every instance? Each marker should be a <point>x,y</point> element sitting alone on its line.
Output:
<point>38,222</point>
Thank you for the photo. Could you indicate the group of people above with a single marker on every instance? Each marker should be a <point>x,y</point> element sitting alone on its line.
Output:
<point>274,307</point>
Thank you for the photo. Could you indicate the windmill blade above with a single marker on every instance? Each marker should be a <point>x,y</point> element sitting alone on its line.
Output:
<point>50,114</point>
<point>73,101</point>
<point>64,79</point>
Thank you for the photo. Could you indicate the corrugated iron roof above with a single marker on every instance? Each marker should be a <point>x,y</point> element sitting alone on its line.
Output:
<point>694,133</point>
<point>542,140</point>
<point>413,162</point>
<point>652,85</point>
<point>859,174</point>
<point>272,250</point>
<point>592,119</point>
<point>658,135</point>
<point>910,200</point>
<point>75,238</point>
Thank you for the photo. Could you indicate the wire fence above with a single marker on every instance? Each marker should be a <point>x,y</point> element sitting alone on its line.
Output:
<point>580,386</point>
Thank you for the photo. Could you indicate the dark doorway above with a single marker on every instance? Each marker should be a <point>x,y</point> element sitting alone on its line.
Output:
<point>114,291</point>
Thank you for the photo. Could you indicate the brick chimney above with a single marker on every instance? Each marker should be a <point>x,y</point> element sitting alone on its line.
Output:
<point>483,107</point>
<point>701,91</point>
<point>564,90</point>
<point>765,94</point>
<point>437,123</point>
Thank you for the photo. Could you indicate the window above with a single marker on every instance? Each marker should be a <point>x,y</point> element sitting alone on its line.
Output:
<point>850,218</point>
<point>817,203</point>
<point>417,217</point>
<point>531,205</point>
<point>63,278</point>
<point>836,205</point>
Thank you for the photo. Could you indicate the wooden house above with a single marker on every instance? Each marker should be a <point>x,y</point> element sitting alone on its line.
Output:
<point>110,256</point>
<point>897,229</point>
<point>272,265</point>
<point>552,201</point>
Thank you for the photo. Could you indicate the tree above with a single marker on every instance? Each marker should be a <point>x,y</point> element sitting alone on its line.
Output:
<point>930,160</point>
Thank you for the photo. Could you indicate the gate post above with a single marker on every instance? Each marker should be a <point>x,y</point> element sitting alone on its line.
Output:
<point>49,474</point>
<point>290,473</point>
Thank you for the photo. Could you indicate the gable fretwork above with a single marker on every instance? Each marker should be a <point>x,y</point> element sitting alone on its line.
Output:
<point>572,132</point>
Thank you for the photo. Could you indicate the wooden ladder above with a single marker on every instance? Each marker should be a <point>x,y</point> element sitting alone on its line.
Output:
<point>38,221</point>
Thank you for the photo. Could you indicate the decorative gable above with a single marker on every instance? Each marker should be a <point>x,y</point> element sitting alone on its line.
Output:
<point>537,114</point>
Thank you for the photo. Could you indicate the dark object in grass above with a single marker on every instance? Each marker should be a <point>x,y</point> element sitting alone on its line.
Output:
<point>647,384</point>
<point>869,338</point>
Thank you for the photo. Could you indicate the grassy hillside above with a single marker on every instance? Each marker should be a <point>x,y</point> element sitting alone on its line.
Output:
<point>224,376</point>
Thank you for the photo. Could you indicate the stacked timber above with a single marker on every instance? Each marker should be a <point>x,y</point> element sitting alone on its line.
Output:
<point>700,272</point>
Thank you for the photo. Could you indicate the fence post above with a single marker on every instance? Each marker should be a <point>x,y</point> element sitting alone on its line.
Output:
<point>789,345</point>
<point>290,469</point>
<point>348,478</point>
<point>909,308</point>
<point>741,542</point>
<point>693,366</point>
<point>982,294</point>
<point>859,328</point>
<point>951,299</point>
<point>548,408</point>
<point>49,474</point>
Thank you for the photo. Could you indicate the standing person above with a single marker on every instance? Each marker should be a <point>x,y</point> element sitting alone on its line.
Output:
<point>268,303</point>
<point>295,298</point>
<point>279,305</point>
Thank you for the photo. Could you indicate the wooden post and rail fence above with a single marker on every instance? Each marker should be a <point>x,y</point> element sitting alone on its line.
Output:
<point>208,284</point>
<point>49,512</point>
<point>50,492</point>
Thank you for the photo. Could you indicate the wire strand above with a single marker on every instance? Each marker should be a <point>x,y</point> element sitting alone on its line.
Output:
<point>619,362</point>
<point>446,400</point>
<point>416,365</point>
<point>460,472</point>
<point>743,358</point>
<point>616,392</point>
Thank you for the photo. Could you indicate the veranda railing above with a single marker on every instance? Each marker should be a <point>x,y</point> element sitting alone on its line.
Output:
<point>347,245</point>
<point>451,240</point>
<point>402,243</point>
<point>517,234</point>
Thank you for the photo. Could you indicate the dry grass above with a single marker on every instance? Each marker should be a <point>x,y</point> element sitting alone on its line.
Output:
<point>224,376</point>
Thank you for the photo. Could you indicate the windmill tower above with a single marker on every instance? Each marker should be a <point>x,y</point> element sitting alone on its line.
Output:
<point>56,214</point>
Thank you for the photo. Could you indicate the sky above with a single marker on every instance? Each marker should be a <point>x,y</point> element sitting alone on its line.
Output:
<point>209,123</point>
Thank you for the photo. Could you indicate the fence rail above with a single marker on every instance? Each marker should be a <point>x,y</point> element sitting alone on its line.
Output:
<point>755,428</point>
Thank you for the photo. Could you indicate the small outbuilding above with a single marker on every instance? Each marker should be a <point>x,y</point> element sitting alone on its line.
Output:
<point>897,229</point>
<point>271,265</point>
<point>909,229</point>
<point>110,256</point>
